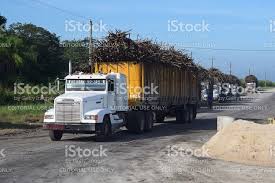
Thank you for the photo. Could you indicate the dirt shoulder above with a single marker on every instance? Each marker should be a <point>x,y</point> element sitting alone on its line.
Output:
<point>9,129</point>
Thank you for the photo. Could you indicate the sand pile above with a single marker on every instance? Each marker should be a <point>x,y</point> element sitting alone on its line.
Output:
<point>244,142</point>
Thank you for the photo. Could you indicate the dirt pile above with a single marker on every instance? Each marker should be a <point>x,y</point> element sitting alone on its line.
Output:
<point>244,142</point>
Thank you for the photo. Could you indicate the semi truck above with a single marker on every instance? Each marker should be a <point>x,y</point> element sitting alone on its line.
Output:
<point>127,93</point>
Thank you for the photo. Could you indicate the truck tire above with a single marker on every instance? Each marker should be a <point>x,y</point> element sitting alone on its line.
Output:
<point>136,121</point>
<point>194,112</point>
<point>181,116</point>
<point>55,135</point>
<point>160,117</point>
<point>131,117</point>
<point>190,114</point>
<point>149,122</point>
<point>103,130</point>
<point>187,116</point>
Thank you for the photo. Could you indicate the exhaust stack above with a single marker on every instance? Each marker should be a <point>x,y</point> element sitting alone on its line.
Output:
<point>70,67</point>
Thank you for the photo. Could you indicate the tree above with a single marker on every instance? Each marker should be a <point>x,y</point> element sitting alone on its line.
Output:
<point>13,54</point>
<point>49,62</point>
<point>251,79</point>
<point>77,51</point>
<point>3,22</point>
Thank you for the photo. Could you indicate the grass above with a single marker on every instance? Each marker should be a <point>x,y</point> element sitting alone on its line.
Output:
<point>267,88</point>
<point>16,114</point>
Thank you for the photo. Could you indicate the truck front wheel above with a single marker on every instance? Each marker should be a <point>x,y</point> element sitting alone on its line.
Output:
<point>160,117</point>
<point>55,135</point>
<point>103,130</point>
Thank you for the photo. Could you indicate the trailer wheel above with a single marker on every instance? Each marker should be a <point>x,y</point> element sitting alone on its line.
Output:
<point>130,121</point>
<point>136,121</point>
<point>194,112</point>
<point>103,130</point>
<point>190,114</point>
<point>187,116</point>
<point>148,121</point>
<point>181,116</point>
<point>55,135</point>
<point>141,122</point>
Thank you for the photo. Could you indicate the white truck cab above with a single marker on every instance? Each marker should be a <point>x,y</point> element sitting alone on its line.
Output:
<point>92,103</point>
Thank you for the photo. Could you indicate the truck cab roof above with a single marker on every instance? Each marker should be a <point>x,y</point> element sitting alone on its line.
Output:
<point>92,76</point>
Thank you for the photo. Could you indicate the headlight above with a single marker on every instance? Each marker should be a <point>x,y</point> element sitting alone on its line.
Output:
<point>48,116</point>
<point>91,117</point>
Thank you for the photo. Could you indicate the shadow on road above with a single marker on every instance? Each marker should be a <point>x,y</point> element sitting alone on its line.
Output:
<point>8,125</point>
<point>168,128</point>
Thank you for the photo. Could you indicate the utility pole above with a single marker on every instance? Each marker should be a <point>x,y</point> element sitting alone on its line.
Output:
<point>230,69</point>
<point>91,46</point>
<point>265,79</point>
<point>210,88</point>
<point>212,64</point>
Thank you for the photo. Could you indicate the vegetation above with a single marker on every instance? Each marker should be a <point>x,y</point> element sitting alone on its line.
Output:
<point>263,83</point>
<point>251,79</point>
<point>23,113</point>
<point>77,51</point>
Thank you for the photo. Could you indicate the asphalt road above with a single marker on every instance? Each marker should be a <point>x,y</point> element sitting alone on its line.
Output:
<point>32,157</point>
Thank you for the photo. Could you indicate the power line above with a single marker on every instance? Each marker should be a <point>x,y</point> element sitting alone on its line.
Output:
<point>60,9</point>
<point>229,49</point>
<point>190,47</point>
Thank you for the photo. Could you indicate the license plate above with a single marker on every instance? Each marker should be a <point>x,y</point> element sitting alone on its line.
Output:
<point>54,127</point>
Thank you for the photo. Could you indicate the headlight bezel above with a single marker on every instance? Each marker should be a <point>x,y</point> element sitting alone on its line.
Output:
<point>91,117</point>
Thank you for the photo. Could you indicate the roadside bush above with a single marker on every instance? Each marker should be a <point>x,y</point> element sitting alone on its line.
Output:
<point>7,96</point>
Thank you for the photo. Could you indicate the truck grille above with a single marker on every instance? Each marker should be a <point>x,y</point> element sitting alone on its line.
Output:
<point>67,111</point>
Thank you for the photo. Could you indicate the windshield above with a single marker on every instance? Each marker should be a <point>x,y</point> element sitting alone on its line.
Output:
<point>86,85</point>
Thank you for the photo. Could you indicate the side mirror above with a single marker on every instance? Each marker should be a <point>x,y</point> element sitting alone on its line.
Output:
<point>60,85</point>
<point>111,86</point>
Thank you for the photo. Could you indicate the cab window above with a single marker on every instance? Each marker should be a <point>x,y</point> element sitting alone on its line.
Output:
<point>111,85</point>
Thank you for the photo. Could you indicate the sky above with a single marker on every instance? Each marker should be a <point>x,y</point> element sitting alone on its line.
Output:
<point>238,32</point>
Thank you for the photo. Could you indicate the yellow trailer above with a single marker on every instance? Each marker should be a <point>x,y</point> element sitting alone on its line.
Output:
<point>174,89</point>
